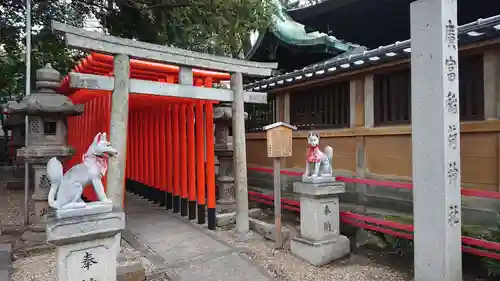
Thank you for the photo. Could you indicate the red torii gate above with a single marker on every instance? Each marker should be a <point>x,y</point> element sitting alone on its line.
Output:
<point>166,149</point>
<point>157,138</point>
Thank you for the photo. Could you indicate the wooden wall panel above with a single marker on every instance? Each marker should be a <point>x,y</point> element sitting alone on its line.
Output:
<point>389,155</point>
<point>257,153</point>
<point>479,152</point>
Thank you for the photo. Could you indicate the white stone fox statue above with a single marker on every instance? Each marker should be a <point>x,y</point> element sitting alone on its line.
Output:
<point>66,190</point>
<point>322,162</point>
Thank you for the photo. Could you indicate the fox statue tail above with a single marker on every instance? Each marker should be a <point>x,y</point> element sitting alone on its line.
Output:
<point>329,155</point>
<point>55,175</point>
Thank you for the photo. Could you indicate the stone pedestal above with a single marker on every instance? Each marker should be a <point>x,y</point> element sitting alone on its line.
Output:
<point>87,246</point>
<point>319,241</point>
<point>226,202</point>
<point>41,194</point>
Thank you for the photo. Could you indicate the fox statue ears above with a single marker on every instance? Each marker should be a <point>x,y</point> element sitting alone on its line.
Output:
<point>313,134</point>
<point>100,137</point>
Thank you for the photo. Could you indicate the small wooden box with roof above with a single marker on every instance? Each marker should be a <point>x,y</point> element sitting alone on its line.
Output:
<point>279,139</point>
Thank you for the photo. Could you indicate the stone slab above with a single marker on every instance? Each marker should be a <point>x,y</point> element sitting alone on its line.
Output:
<point>316,190</point>
<point>191,254</point>
<point>230,218</point>
<point>268,230</point>
<point>307,179</point>
<point>175,248</point>
<point>230,267</point>
<point>15,185</point>
<point>4,275</point>
<point>84,228</point>
<point>319,253</point>
<point>34,236</point>
<point>5,255</point>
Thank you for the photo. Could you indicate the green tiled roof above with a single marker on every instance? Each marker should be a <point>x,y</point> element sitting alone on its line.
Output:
<point>293,33</point>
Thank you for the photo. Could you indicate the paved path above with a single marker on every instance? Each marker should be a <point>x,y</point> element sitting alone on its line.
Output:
<point>5,261</point>
<point>184,251</point>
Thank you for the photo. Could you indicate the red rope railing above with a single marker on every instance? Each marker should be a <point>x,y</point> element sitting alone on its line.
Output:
<point>395,229</point>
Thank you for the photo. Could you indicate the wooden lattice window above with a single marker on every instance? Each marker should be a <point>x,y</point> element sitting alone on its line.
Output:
<point>321,108</point>
<point>392,98</point>
<point>392,93</point>
<point>471,83</point>
<point>260,115</point>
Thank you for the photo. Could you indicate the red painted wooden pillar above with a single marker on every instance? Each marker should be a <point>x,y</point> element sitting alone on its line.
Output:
<point>147,154</point>
<point>209,125</point>
<point>170,154</point>
<point>162,167</point>
<point>134,134</point>
<point>191,161</point>
<point>157,155</point>
<point>200,161</point>
<point>176,159</point>
<point>183,159</point>
<point>142,157</point>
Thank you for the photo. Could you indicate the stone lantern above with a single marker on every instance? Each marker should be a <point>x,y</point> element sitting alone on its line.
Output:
<point>15,123</point>
<point>224,152</point>
<point>47,111</point>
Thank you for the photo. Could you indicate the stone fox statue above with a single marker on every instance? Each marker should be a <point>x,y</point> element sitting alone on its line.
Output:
<point>321,162</point>
<point>66,190</point>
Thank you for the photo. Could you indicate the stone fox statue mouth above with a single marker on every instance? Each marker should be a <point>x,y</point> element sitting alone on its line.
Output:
<point>66,189</point>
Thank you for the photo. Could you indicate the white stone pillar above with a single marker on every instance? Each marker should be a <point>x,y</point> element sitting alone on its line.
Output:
<point>86,246</point>
<point>118,131</point>
<point>319,241</point>
<point>240,159</point>
<point>436,140</point>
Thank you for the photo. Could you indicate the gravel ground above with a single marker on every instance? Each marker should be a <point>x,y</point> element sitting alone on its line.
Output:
<point>12,206</point>
<point>283,266</point>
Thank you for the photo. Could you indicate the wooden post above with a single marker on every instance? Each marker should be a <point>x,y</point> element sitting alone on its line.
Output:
<point>118,129</point>
<point>277,201</point>
<point>279,145</point>
<point>240,159</point>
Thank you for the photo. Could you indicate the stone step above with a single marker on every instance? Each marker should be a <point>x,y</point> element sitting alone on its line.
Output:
<point>5,261</point>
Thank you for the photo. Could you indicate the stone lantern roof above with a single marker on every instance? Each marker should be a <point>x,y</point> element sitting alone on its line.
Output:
<point>224,112</point>
<point>45,101</point>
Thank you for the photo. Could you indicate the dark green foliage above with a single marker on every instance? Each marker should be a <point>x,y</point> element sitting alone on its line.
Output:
<point>213,26</point>
<point>492,265</point>
<point>46,47</point>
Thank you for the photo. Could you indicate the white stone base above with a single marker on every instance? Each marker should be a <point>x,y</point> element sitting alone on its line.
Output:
<point>90,209</point>
<point>87,246</point>
<point>319,253</point>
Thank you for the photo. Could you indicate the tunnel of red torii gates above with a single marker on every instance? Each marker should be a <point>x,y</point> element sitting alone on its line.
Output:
<point>170,157</point>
